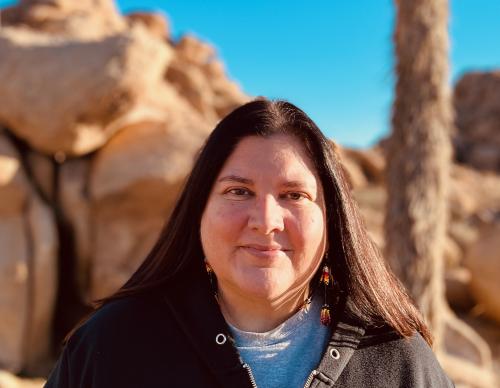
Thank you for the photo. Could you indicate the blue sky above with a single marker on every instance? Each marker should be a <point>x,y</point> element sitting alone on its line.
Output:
<point>334,59</point>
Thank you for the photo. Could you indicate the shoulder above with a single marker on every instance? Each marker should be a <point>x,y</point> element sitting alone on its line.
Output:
<point>386,355</point>
<point>114,345</point>
<point>386,341</point>
<point>116,318</point>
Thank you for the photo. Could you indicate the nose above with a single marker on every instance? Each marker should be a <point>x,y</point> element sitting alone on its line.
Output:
<point>266,216</point>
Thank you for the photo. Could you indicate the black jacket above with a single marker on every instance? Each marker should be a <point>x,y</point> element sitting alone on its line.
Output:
<point>169,340</point>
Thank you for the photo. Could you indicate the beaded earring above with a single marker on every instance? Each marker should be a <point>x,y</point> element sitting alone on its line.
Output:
<point>325,280</point>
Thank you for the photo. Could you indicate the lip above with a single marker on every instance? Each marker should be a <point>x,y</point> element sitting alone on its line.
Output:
<point>264,251</point>
<point>259,247</point>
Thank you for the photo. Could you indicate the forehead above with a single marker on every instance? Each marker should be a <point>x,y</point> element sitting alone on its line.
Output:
<point>283,156</point>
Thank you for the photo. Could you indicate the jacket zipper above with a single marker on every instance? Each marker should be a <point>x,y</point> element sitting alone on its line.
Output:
<point>310,378</point>
<point>254,384</point>
<point>250,375</point>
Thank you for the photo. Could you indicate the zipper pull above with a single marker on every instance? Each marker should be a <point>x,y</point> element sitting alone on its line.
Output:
<point>250,375</point>
<point>310,378</point>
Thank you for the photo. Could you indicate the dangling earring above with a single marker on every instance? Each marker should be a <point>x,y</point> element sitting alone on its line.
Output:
<point>325,280</point>
<point>211,277</point>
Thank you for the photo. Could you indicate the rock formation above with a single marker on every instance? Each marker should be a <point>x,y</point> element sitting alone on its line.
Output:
<point>28,249</point>
<point>102,117</point>
<point>477,102</point>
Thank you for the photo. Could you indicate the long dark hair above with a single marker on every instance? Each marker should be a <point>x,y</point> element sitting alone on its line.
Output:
<point>375,295</point>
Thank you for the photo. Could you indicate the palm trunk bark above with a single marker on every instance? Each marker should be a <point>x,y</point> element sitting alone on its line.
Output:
<point>419,156</point>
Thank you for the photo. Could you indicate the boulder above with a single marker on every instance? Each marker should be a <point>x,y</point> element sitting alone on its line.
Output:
<point>193,85</point>
<point>28,263</point>
<point>82,19</point>
<point>14,260</point>
<point>134,182</point>
<point>472,191</point>
<point>75,206</point>
<point>8,380</point>
<point>80,104</point>
<point>42,283</point>
<point>200,79</point>
<point>453,254</point>
<point>194,51</point>
<point>156,23</point>
<point>227,94</point>
<point>372,200</point>
<point>371,161</point>
<point>354,172</point>
<point>482,259</point>
<point>457,288</point>
<point>477,104</point>
<point>42,174</point>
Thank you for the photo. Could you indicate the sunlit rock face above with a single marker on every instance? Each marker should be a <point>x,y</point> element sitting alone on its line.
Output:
<point>477,104</point>
<point>28,275</point>
<point>101,117</point>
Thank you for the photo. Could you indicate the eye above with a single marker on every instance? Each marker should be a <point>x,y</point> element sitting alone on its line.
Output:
<point>239,192</point>
<point>294,196</point>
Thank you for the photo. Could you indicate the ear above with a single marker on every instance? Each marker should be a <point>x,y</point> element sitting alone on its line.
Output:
<point>327,248</point>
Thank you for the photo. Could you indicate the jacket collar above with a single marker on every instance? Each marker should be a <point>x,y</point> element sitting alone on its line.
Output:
<point>342,345</point>
<point>197,313</point>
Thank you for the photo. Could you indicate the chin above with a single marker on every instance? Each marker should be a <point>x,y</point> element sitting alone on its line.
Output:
<point>265,289</point>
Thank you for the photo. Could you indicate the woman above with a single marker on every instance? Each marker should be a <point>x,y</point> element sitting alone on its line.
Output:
<point>263,276</point>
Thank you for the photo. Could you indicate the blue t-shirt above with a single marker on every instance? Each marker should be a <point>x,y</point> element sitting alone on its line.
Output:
<point>285,355</point>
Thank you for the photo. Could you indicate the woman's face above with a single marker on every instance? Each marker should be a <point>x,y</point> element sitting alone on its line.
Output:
<point>263,229</point>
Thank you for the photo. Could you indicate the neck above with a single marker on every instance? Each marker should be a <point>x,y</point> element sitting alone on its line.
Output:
<point>260,315</point>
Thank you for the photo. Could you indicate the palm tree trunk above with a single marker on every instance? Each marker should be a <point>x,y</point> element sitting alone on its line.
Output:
<point>419,155</point>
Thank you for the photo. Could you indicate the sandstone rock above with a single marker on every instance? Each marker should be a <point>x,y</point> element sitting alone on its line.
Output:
<point>457,282</point>
<point>79,103</point>
<point>374,221</point>
<point>14,260</point>
<point>463,233</point>
<point>82,19</point>
<point>227,96</point>
<point>13,183</point>
<point>462,201</point>
<point>193,85</point>
<point>452,253</point>
<point>371,200</point>
<point>134,182</point>
<point>200,78</point>
<point>8,380</point>
<point>42,174</point>
<point>472,191</point>
<point>14,257</point>
<point>75,205</point>
<point>467,375</point>
<point>28,267</point>
<point>482,259</point>
<point>373,196</point>
<point>477,104</point>
<point>371,161</point>
<point>42,283</point>
<point>354,172</point>
<point>468,358</point>
<point>155,23</point>
<point>194,51</point>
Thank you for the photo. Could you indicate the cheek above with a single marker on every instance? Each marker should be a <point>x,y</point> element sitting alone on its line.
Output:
<point>220,226</point>
<point>308,234</point>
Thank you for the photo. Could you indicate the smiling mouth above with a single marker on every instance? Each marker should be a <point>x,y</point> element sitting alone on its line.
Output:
<point>263,251</point>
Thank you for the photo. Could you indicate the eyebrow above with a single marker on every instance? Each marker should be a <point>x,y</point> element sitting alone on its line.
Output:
<point>239,179</point>
<point>235,178</point>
